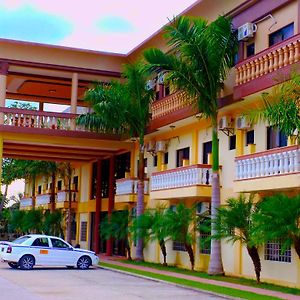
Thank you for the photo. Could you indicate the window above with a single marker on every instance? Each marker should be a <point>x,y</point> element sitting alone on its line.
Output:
<point>281,34</point>
<point>75,182</point>
<point>39,189</point>
<point>205,242</point>
<point>182,154</point>
<point>207,148</point>
<point>83,231</point>
<point>232,142</point>
<point>41,242</point>
<point>178,246</point>
<point>250,50</point>
<point>157,95</point>
<point>275,138</point>
<point>249,137</point>
<point>167,91</point>
<point>59,185</point>
<point>155,161</point>
<point>56,243</point>
<point>273,252</point>
<point>166,158</point>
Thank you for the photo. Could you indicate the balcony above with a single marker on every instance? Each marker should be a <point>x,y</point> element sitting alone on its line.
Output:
<point>275,169</point>
<point>170,109</point>
<point>26,203</point>
<point>183,182</point>
<point>42,200</point>
<point>63,199</point>
<point>258,72</point>
<point>126,189</point>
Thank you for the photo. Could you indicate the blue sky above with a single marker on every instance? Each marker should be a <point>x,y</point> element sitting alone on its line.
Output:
<point>114,26</point>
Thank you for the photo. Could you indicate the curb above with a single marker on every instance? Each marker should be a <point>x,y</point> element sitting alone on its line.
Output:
<point>169,283</point>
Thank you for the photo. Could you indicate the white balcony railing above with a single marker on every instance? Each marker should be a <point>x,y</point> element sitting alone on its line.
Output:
<point>25,202</point>
<point>126,186</point>
<point>268,163</point>
<point>64,196</point>
<point>42,199</point>
<point>181,177</point>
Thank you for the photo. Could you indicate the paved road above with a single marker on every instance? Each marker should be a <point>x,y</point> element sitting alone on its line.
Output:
<point>96,283</point>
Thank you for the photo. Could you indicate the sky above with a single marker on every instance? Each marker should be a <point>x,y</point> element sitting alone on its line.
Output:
<point>113,26</point>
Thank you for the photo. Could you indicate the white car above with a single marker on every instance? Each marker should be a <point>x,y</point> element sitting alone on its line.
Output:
<point>43,250</point>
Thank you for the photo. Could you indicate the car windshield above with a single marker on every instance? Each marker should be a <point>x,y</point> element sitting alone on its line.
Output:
<point>21,239</point>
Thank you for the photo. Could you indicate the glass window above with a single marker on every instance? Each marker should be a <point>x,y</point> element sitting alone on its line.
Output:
<point>39,189</point>
<point>207,148</point>
<point>21,240</point>
<point>59,185</point>
<point>41,242</point>
<point>275,138</point>
<point>281,34</point>
<point>56,243</point>
<point>167,91</point>
<point>182,154</point>
<point>250,137</point>
<point>232,142</point>
<point>178,246</point>
<point>274,252</point>
<point>166,158</point>
<point>155,161</point>
<point>250,50</point>
<point>83,231</point>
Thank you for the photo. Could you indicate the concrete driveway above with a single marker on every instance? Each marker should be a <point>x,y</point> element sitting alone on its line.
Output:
<point>95,283</point>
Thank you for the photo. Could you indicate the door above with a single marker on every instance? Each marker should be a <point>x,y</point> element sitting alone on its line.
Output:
<point>61,253</point>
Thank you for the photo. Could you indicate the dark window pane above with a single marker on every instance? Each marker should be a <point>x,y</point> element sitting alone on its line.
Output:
<point>207,148</point>
<point>59,185</point>
<point>182,154</point>
<point>157,96</point>
<point>166,158</point>
<point>167,91</point>
<point>281,34</point>
<point>232,142</point>
<point>250,137</point>
<point>250,50</point>
<point>155,161</point>
<point>275,138</point>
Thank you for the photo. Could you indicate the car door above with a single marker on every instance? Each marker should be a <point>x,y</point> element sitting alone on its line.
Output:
<point>41,251</point>
<point>62,253</point>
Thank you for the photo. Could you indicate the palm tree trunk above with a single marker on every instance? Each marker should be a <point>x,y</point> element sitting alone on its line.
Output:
<point>163,251</point>
<point>253,253</point>
<point>127,247</point>
<point>33,192</point>
<point>215,263</point>
<point>190,251</point>
<point>52,197</point>
<point>297,246</point>
<point>4,196</point>
<point>69,223</point>
<point>140,201</point>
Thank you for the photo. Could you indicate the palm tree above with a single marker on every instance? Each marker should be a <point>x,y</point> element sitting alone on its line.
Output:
<point>123,108</point>
<point>235,223</point>
<point>33,221</point>
<point>179,225</point>
<point>53,223</point>
<point>278,218</point>
<point>199,59</point>
<point>116,227</point>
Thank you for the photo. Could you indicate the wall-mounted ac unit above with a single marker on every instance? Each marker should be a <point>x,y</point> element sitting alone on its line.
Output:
<point>246,31</point>
<point>161,146</point>
<point>225,123</point>
<point>150,146</point>
<point>242,123</point>
<point>150,84</point>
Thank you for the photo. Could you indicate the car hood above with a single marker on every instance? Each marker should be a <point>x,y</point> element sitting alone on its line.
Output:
<point>84,251</point>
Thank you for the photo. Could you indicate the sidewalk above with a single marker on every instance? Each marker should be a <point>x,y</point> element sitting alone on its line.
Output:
<point>115,261</point>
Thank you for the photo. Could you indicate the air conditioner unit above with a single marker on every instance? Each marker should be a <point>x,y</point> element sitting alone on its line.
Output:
<point>161,78</point>
<point>203,207</point>
<point>161,146</point>
<point>150,84</point>
<point>225,123</point>
<point>246,31</point>
<point>150,146</point>
<point>242,123</point>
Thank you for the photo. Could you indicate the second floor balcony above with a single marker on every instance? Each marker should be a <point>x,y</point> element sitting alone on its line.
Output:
<point>274,169</point>
<point>63,199</point>
<point>26,203</point>
<point>42,200</point>
<point>184,182</point>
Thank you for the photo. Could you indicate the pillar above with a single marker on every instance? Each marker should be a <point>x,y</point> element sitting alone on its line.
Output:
<point>3,79</point>
<point>74,94</point>
<point>239,142</point>
<point>111,199</point>
<point>160,161</point>
<point>98,207</point>
<point>194,156</point>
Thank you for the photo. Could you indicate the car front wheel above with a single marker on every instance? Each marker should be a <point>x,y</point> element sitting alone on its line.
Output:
<point>26,262</point>
<point>13,265</point>
<point>84,262</point>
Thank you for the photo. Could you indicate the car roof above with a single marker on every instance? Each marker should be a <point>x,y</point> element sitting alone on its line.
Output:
<point>35,235</point>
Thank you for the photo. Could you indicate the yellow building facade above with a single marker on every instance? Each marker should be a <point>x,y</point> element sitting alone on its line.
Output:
<point>253,157</point>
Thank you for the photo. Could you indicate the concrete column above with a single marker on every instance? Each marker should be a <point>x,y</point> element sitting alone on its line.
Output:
<point>3,79</point>
<point>195,148</point>
<point>239,142</point>
<point>111,199</point>
<point>74,95</point>
<point>159,161</point>
<point>98,207</point>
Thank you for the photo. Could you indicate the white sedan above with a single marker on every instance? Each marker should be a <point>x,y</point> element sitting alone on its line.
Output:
<point>43,250</point>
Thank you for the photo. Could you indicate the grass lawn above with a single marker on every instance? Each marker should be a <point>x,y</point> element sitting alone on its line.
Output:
<point>198,285</point>
<point>242,281</point>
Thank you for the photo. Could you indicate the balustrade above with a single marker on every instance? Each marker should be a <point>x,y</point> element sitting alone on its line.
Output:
<point>269,163</point>
<point>129,186</point>
<point>42,199</point>
<point>181,177</point>
<point>269,60</point>
<point>25,202</point>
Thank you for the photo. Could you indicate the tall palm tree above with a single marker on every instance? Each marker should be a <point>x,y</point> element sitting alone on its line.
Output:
<point>235,223</point>
<point>199,59</point>
<point>123,108</point>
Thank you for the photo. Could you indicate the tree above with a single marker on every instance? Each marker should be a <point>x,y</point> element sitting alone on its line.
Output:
<point>123,108</point>
<point>281,107</point>
<point>179,225</point>
<point>116,227</point>
<point>199,59</point>
<point>53,223</point>
<point>278,218</point>
<point>235,223</point>
<point>33,221</point>
<point>15,221</point>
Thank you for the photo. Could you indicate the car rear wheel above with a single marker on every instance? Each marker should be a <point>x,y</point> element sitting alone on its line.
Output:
<point>13,265</point>
<point>84,262</point>
<point>26,262</point>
